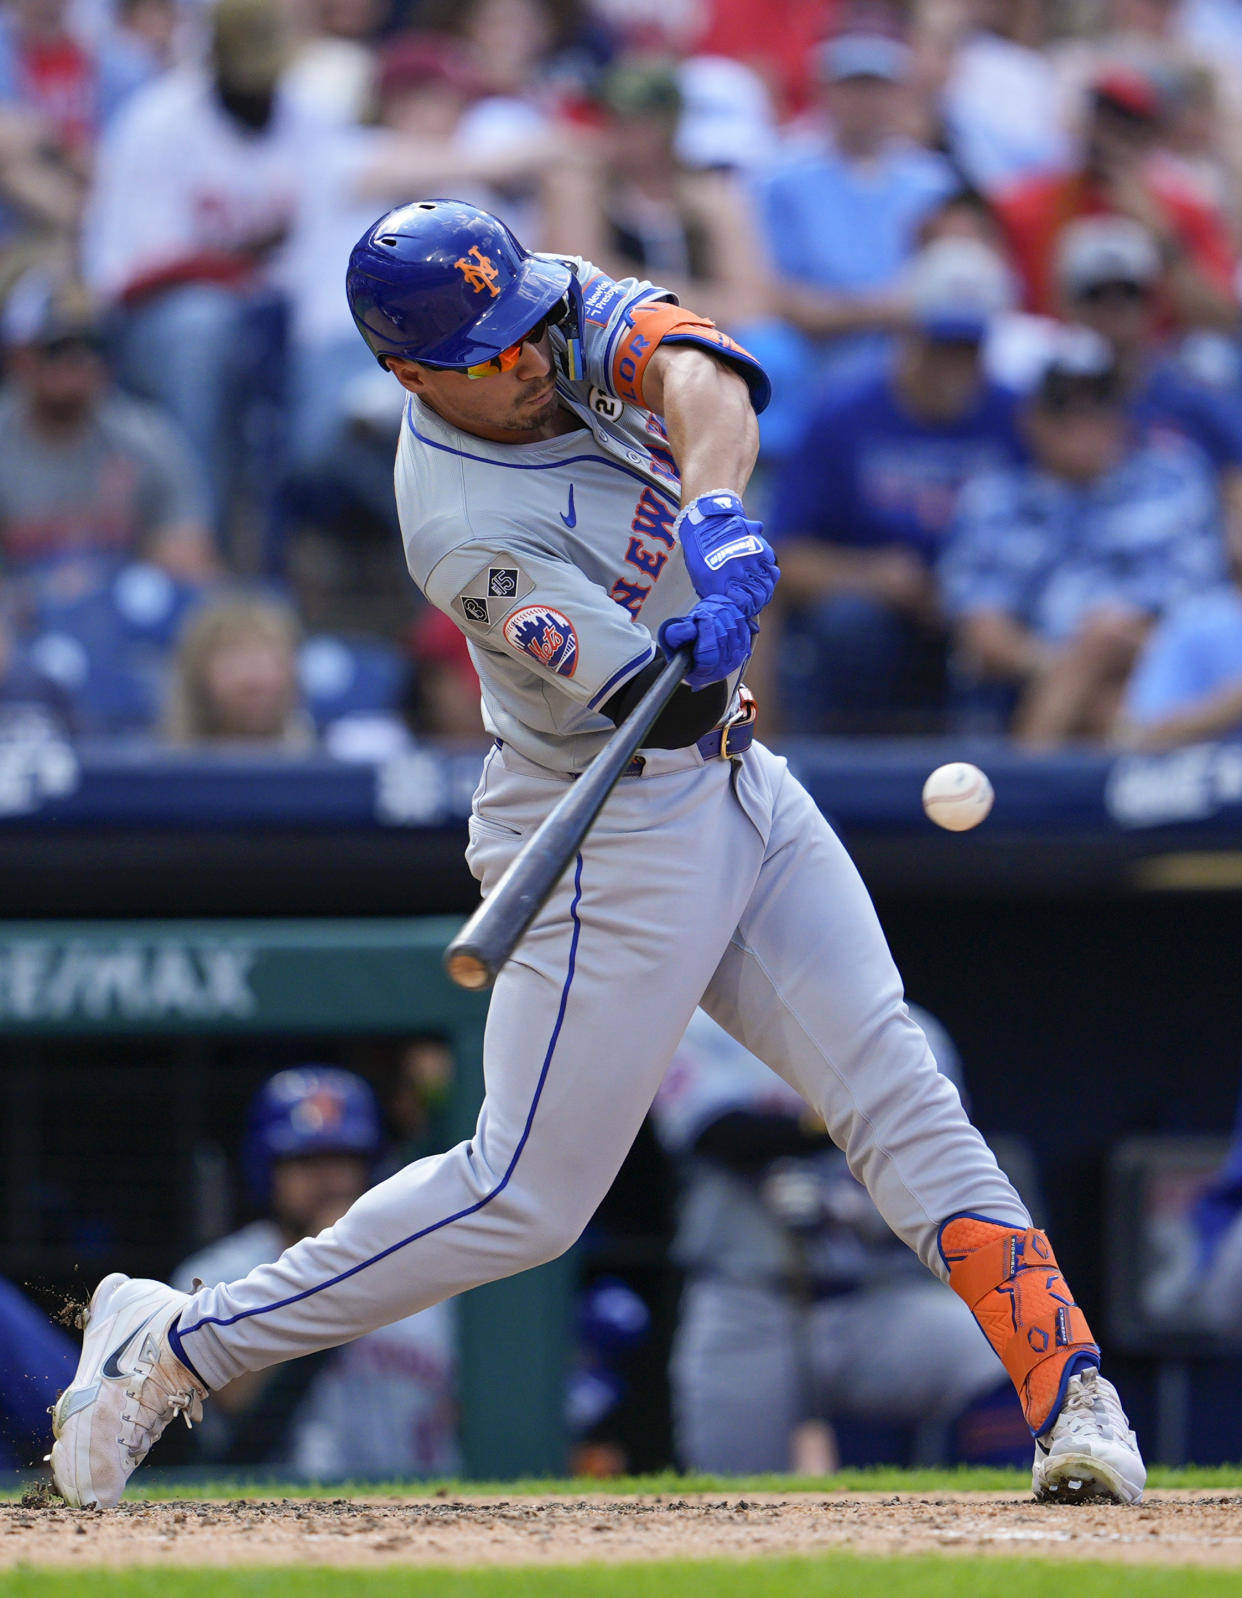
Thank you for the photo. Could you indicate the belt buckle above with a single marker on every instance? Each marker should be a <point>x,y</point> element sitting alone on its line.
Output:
<point>744,718</point>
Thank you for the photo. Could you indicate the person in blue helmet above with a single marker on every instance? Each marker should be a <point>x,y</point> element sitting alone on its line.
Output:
<point>381,1407</point>
<point>569,480</point>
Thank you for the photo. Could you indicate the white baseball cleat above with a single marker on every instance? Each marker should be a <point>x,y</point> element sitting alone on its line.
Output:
<point>1090,1453</point>
<point>129,1384</point>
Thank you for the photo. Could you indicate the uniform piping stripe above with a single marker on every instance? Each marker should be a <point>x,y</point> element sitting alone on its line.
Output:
<point>630,667</point>
<point>537,466</point>
<point>471,1209</point>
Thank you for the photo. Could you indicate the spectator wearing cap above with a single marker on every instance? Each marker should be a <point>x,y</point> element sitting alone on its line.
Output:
<point>1108,269</point>
<point>1055,571</point>
<point>1116,174</point>
<point>839,217</point>
<point>862,507</point>
<point>196,188</point>
<point>643,211</point>
<point>378,1409</point>
<point>88,475</point>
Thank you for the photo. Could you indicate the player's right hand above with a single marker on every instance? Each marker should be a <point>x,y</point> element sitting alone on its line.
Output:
<point>721,635</point>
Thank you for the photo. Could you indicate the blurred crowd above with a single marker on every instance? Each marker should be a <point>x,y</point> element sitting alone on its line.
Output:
<point>988,250</point>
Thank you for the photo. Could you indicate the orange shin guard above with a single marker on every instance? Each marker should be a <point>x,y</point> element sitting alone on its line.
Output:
<point>1010,1281</point>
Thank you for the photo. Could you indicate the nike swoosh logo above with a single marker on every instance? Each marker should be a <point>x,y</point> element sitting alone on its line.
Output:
<point>112,1365</point>
<point>570,520</point>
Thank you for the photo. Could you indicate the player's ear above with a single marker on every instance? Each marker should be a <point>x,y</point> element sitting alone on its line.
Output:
<point>410,374</point>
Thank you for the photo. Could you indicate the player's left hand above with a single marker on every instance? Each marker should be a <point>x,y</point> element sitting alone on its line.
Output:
<point>726,553</point>
<point>721,635</point>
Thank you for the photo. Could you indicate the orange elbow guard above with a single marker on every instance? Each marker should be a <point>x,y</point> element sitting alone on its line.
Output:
<point>1010,1281</point>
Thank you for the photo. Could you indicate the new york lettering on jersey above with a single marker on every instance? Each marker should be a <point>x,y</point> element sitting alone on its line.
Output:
<point>557,559</point>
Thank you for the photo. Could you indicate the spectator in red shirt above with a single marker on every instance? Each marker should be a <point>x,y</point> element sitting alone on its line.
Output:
<point>1116,175</point>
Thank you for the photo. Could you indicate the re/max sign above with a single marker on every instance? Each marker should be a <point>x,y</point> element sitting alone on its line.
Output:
<point>41,980</point>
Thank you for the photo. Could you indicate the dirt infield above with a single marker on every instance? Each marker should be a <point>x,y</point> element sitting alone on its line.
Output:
<point>1171,1528</point>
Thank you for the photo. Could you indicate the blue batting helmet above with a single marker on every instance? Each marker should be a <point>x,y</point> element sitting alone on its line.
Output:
<point>312,1109</point>
<point>446,283</point>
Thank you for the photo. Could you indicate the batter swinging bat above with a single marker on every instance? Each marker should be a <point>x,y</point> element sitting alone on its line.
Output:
<point>477,953</point>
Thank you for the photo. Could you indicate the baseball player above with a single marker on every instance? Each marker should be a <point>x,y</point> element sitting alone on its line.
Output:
<point>568,478</point>
<point>799,1304</point>
<point>382,1406</point>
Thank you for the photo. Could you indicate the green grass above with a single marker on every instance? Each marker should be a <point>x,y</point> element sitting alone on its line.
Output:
<point>878,1479</point>
<point>836,1574</point>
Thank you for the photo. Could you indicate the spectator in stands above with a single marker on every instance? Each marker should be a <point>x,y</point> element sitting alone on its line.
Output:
<point>862,507</point>
<point>381,1408</point>
<point>1108,269</point>
<point>799,1308</point>
<point>444,696</point>
<point>344,411</point>
<point>87,474</point>
<point>840,216</point>
<point>1187,685</point>
<point>69,86</point>
<point>1116,175</point>
<point>1055,572</point>
<point>235,676</point>
<point>33,706</point>
<point>998,102</point>
<point>333,63</point>
<point>643,212</point>
<point>195,193</point>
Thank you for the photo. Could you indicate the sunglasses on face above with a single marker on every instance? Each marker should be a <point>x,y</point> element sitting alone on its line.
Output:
<point>508,359</point>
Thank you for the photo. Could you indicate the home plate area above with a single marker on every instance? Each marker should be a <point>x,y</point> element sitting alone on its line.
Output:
<point>1168,1528</point>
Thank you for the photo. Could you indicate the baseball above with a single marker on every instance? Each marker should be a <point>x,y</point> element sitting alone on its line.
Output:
<point>957,796</point>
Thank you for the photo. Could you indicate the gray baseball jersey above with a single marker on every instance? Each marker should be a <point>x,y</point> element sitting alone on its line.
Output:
<point>703,880</point>
<point>557,559</point>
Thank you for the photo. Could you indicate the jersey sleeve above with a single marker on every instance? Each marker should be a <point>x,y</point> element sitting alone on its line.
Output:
<point>542,617</point>
<point>626,320</point>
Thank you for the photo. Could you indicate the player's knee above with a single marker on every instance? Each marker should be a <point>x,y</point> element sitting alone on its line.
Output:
<point>544,1235</point>
<point>551,1236</point>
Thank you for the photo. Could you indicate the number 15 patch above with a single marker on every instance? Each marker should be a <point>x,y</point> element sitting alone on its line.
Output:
<point>546,635</point>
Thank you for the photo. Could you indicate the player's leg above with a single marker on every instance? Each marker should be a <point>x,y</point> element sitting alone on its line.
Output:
<point>735,1378</point>
<point>808,984</point>
<point>580,1030</point>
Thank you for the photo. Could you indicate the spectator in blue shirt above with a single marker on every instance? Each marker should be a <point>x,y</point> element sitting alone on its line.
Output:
<point>1187,686</point>
<point>1108,270</point>
<point>1056,571</point>
<point>862,507</point>
<point>840,214</point>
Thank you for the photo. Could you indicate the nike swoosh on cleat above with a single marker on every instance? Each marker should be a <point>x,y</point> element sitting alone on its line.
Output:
<point>112,1365</point>
<point>570,520</point>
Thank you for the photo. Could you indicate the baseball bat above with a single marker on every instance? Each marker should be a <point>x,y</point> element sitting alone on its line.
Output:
<point>476,954</point>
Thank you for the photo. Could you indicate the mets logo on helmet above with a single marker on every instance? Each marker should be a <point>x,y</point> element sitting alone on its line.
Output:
<point>546,636</point>
<point>479,273</point>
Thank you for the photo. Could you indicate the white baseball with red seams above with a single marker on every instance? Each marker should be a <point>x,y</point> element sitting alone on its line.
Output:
<point>957,796</point>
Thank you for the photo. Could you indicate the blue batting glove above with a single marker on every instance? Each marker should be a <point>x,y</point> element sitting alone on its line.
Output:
<point>726,553</point>
<point>720,634</point>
